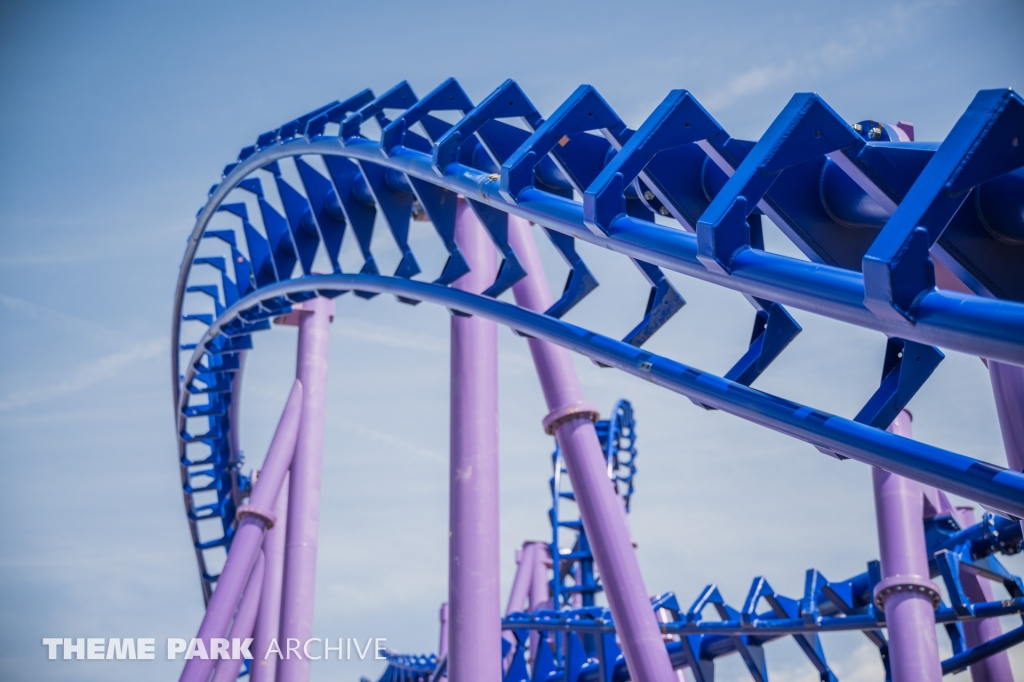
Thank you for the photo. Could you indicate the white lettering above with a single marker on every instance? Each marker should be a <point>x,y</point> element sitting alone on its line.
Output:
<point>362,654</point>
<point>241,649</point>
<point>52,643</point>
<point>196,648</point>
<point>379,649</point>
<point>218,648</point>
<point>290,648</point>
<point>78,648</point>
<point>174,647</point>
<point>94,648</point>
<point>146,647</point>
<point>328,648</point>
<point>274,648</point>
<point>305,649</point>
<point>121,648</point>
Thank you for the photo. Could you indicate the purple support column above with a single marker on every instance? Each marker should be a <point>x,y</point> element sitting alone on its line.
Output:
<point>523,582</point>
<point>245,620</point>
<point>254,519</point>
<point>906,593</point>
<point>268,619</point>
<point>995,668</point>
<point>604,518</point>
<point>540,590</point>
<point>473,590</point>
<point>1008,387</point>
<point>314,319</point>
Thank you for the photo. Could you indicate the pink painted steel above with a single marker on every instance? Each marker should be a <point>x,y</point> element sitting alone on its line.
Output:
<point>304,486</point>
<point>268,619</point>
<point>601,508</point>
<point>249,535</point>
<point>245,620</point>
<point>474,647</point>
<point>909,613</point>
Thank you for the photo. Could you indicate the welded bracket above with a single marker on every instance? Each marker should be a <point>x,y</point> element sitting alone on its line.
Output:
<point>984,144</point>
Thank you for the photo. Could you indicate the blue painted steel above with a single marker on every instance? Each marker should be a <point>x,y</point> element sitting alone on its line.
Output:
<point>411,668</point>
<point>574,560</point>
<point>697,642</point>
<point>989,484</point>
<point>831,187</point>
<point>824,607</point>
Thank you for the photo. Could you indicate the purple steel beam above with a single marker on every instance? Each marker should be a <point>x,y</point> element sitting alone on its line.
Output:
<point>530,587</point>
<point>1008,387</point>
<point>540,590</point>
<point>906,593</point>
<point>314,319</point>
<point>995,668</point>
<point>473,563</point>
<point>254,518</point>
<point>245,620</point>
<point>268,619</point>
<point>522,584</point>
<point>604,518</point>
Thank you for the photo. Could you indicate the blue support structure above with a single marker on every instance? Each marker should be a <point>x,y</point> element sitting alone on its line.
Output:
<point>874,212</point>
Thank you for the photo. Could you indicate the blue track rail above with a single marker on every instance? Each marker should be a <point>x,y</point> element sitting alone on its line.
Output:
<point>872,213</point>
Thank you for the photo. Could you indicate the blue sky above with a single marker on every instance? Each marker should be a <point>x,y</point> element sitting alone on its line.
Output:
<point>118,116</point>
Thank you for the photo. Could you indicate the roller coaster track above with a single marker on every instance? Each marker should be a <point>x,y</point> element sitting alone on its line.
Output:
<point>879,217</point>
<point>581,636</point>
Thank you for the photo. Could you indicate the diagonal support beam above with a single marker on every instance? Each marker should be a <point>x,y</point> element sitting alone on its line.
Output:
<point>604,517</point>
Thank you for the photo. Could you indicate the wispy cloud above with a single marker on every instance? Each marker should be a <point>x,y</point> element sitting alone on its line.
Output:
<point>875,34</point>
<point>394,442</point>
<point>390,336</point>
<point>85,375</point>
<point>55,258</point>
<point>60,321</point>
<point>751,82</point>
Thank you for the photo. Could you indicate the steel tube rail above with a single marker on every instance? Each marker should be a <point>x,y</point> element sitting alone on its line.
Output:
<point>982,652</point>
<point>603,514</point>
<point>979,326</point>
<point>474,591</point>
<point>301,542</point>
<point>255,518</point>
<point>772,627</point>
<point>990,485</point>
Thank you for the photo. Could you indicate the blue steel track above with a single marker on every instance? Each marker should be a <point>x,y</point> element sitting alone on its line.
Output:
<point>929,203</point>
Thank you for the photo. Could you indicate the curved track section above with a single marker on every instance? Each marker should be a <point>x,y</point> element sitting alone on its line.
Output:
<point>877,216</point>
